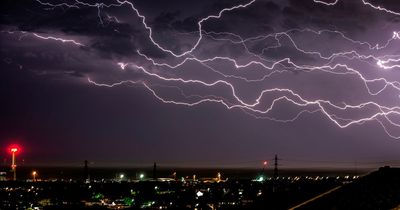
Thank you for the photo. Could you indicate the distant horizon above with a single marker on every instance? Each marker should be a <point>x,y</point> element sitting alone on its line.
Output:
<point>22,159</point>
<point>204,167</point>
<point>76,172</point>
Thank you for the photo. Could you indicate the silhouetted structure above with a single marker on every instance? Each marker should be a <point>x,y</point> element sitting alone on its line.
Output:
<point>86,177</point>
<point>276,167</point>
<point>14,164</point>
<point>155,171</point>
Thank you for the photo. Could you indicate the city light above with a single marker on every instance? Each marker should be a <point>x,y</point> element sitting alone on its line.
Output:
<point>174,175</point>
<point>260,179</point>
<point>219,176</point>
<point>34,174</point>
<point>199,194</point>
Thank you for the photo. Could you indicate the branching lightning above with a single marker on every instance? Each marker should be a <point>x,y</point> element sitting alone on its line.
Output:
<point>267,99</point>
<point>36,35</point>
<point>58,39</point>
<point>377,7</point>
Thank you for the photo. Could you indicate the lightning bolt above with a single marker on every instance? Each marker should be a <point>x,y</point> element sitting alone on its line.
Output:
<point>295,99</point>
<point>267,99</point>
<point>381,8</point>
<point>36,35</point>
<point>58,39</point>
<point>385,64</point>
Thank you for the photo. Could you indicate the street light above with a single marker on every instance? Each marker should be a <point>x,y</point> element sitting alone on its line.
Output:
<point>121,176</point>
<point>265,164</point>
<point>219,177</point>
<point>34,173</point>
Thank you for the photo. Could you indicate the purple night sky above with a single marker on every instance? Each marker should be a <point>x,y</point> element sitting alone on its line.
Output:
<point>201,83</point>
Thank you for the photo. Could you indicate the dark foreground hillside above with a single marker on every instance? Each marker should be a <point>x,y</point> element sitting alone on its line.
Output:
<point>378,190</point>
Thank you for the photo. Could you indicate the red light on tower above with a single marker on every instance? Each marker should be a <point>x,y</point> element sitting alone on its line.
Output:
<point>13,150</point>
